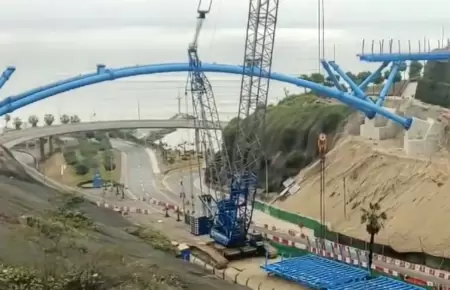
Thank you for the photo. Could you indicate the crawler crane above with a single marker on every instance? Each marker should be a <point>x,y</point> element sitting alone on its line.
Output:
<point>230,214</point>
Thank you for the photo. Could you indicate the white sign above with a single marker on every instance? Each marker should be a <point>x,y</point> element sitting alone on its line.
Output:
<point>288,182</point>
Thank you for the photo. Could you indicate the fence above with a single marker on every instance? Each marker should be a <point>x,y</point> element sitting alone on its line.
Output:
<point>417,258</point>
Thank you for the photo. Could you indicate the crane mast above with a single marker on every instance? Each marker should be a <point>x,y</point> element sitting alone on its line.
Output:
<point>232,213</point>
<point>206,114</point>
<point>258,54</point>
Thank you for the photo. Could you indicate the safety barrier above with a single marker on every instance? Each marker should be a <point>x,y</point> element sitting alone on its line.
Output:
<point>355,253</point>
<point>328,249</point>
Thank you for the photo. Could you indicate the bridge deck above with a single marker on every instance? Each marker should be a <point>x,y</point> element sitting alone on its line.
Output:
<point>380,57</point>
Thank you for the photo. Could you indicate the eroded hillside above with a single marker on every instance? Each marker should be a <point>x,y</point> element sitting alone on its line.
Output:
<point>53,240</point>
<point>414,192</point>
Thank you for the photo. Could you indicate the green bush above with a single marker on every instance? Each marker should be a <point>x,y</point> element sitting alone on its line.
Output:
<point>70,157</point>
<point>433,88</point>
<point>90,134</point>
<point>291,132</point>
<point>109,166</point>
<point>81,169</point>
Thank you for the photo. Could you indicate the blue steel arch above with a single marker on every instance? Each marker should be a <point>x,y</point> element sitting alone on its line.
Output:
<point>103,74</point>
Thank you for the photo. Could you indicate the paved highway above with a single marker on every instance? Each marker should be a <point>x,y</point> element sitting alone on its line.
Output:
<point>139,174</point>
<point>12,138</point>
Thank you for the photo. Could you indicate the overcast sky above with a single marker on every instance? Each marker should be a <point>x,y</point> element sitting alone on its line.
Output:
<point>51,39</point>
<point>64,37</point>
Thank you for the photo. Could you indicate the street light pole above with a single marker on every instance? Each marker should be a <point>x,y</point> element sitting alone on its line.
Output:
<point>139,109</point>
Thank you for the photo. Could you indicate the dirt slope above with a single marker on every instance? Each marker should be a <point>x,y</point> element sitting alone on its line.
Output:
<point>415,193</point>
<point>57,243</point>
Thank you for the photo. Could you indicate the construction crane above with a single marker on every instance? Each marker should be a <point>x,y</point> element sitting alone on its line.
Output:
<point>231,214</point>
<point>205,113</point>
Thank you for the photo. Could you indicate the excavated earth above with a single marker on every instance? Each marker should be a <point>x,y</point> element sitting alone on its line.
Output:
<point>108,246</point>
<point>413,191</point>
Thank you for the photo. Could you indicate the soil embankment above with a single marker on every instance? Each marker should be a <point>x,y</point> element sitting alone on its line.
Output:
<point>413,191</point>
<point>62,236</point>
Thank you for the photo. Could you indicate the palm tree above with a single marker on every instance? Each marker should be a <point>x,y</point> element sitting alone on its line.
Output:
<point>7,120</point>
<point>75,119</point>
<point>33,120</point>
<point>49,119</point>
<point>373,218</point>
<point>17,123</point>
<point>64,119</point>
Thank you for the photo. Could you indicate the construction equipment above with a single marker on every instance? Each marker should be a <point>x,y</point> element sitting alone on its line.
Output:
<point>231,214</point>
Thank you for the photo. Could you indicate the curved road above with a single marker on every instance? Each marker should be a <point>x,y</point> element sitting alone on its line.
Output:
<point>139,174</point>
<point>15,137</point>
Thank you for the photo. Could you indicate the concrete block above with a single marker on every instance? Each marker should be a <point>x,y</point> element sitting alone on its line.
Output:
<point>423,138</point>
<point>379,128</point>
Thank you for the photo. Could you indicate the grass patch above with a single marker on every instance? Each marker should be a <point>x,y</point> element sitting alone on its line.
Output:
<point>52,168</point>
<point>154,238</point>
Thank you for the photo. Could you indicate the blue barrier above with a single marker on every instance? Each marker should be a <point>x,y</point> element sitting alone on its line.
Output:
<point>316,272</point>
<point>380,283</point>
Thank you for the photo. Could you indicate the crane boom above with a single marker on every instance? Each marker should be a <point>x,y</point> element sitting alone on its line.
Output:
<point>259,45</point>
<point>205,112</point>
<point>232,214</point>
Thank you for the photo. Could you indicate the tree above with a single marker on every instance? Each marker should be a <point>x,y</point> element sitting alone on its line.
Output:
<point>49,119</point>
<point>352,76</point>
<point>317,78</point>
<point>415,69</point>
<point>7,120</point>
<point>362,76</point>
<point>306,78</point>
<point>373,218</point>
<point>379,79</point>
<point>75,119</point>
<point>33,120</point>
<point>64,119</point>
<point>18,123</point>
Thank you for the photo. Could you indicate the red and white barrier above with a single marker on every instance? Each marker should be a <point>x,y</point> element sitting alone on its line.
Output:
<point>338,249</point>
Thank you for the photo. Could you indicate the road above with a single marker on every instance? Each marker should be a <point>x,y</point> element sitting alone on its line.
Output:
<point>19,136</point>
<point>139,174</point>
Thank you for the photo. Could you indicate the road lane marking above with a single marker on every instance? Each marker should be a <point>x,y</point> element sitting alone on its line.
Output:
<point>153,160</point>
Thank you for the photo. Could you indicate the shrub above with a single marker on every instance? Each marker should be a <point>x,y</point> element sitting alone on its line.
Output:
<point>109,166</point>
<point>70,157</point>
<point>81,169</point>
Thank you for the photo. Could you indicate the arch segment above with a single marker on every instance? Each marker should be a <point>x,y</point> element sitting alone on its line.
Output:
<point>105,74</point>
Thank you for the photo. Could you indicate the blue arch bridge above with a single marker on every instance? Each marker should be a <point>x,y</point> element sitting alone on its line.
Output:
<point>355,98</point>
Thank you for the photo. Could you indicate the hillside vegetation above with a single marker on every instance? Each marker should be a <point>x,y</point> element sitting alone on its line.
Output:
<point>434,86</point>
<point>58,241</point>
<point>292,128</point>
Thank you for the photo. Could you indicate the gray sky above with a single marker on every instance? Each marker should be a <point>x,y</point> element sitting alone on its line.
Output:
<point>48,40</point>
<point>69,36</point>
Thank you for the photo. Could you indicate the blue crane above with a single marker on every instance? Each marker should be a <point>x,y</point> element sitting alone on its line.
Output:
<point>231,213</point>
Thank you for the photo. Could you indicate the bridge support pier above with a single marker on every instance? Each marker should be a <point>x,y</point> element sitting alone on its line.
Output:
<point>423,138</point>
<point>379,128</point>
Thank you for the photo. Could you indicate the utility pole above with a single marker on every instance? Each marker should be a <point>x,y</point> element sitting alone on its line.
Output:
<point>179,103</point>
<point>322,149</point>
<point>139,109</point>
<point>345,198</point>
